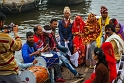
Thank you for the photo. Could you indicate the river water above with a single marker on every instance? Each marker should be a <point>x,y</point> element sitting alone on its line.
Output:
<point>45,12</point>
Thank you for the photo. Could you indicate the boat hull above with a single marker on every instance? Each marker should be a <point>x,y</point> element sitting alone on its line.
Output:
<point>65,2</point>
<point>8,8</point>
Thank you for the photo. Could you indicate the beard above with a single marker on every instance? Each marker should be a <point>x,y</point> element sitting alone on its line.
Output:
<point>31,44</point>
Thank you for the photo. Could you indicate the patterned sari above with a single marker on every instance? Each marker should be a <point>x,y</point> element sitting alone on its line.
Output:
<point>91,32</point>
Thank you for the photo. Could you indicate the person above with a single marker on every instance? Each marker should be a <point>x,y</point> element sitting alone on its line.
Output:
<point>65,29</point>
<point>29,50</point>
<point>113,22</point>
<point>115,40</point>
<point>119,27</point>
<point>110,58</point>
<point>41,38</point>
<point>103,21</point>
<point>91,32</point>
<point>78,46</point>
<point>8,64</point>
<point>64,59</point>
<point>120,30</point>
<point>102,69</point>
<point>57,70</point>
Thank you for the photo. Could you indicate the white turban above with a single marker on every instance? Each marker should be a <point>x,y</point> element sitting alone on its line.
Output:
<point>66,9</point>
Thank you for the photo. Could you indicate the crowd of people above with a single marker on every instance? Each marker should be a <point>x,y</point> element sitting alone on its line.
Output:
<point>96,42</point>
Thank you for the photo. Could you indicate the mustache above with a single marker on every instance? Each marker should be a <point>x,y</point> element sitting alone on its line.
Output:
<point>107,32</point>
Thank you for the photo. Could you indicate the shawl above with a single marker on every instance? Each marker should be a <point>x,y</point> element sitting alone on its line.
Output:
<point>98,40</point>
<point>110,58</point>
<point>76,24</point>
<point>121,32</point>
<point>118,41</point>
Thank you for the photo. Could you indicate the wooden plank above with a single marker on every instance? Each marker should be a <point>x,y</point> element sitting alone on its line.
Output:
<point>78,80</point>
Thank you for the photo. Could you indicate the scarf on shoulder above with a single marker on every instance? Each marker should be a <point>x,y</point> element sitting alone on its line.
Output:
<point>118,41</point>
<point>98,40</point>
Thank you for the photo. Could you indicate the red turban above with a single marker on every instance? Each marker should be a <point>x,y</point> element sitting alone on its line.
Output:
<point>104,9</point>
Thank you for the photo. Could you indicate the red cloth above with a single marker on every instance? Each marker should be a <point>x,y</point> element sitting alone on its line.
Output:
<point>110,58</point>
<point>39,41</point>
<point>91,78</point>
<point>104,9</point>
<point>77,30</point>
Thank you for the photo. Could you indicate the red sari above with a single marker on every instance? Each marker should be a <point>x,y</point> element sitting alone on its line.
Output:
<point>110,58</point>
<point>77,31</point>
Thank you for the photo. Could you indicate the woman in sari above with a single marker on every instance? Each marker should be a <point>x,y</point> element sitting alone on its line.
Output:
<point>91,32</point>
<point>77,31</point>
<point>120,30</point>
<point>110,58</point>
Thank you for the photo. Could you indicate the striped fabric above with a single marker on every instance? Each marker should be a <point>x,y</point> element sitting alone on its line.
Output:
<point>7,46</point>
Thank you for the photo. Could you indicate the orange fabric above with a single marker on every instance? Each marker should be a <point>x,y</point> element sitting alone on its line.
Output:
<point>110,58</point>
<point>91,29</point>
<point>77,31</point>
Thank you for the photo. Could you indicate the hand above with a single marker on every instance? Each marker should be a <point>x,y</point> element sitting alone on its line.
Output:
<point>6,31</point>
<point>15,29</point>
<point>37,52</point>
<point>65,40</point>
<point>35,61</point>
<point>47,49</point>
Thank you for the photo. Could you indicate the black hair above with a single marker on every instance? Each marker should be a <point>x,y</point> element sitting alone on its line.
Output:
<point>53,20</point>
<point>101,57</point>
<point>35,28</point>
<point>110,26</point>
<point>29,34</point>
<point>47,27</point>
<point>2,16</point>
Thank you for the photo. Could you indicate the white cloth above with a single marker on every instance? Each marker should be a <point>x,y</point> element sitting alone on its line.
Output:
<point>66,45</point>
<point>118,40</point>
<point>74,59</point>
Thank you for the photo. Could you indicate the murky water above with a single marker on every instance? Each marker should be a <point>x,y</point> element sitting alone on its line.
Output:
<point>45,12</point>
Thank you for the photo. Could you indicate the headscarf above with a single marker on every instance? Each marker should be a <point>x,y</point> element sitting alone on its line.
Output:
<point>110,58</point>
<point>75,25</point>
<point>108,51</point>
<point>113,21</point>
<point>104,9</point>
<point>121,32</point>
<point>90,36</point>
<point>66,9</point>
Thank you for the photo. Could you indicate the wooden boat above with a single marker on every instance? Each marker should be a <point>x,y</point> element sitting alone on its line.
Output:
<point>65,2</point>
<point>17,6</point>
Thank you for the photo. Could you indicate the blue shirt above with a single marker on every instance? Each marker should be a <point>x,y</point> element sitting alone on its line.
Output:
<point>26,51</point>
